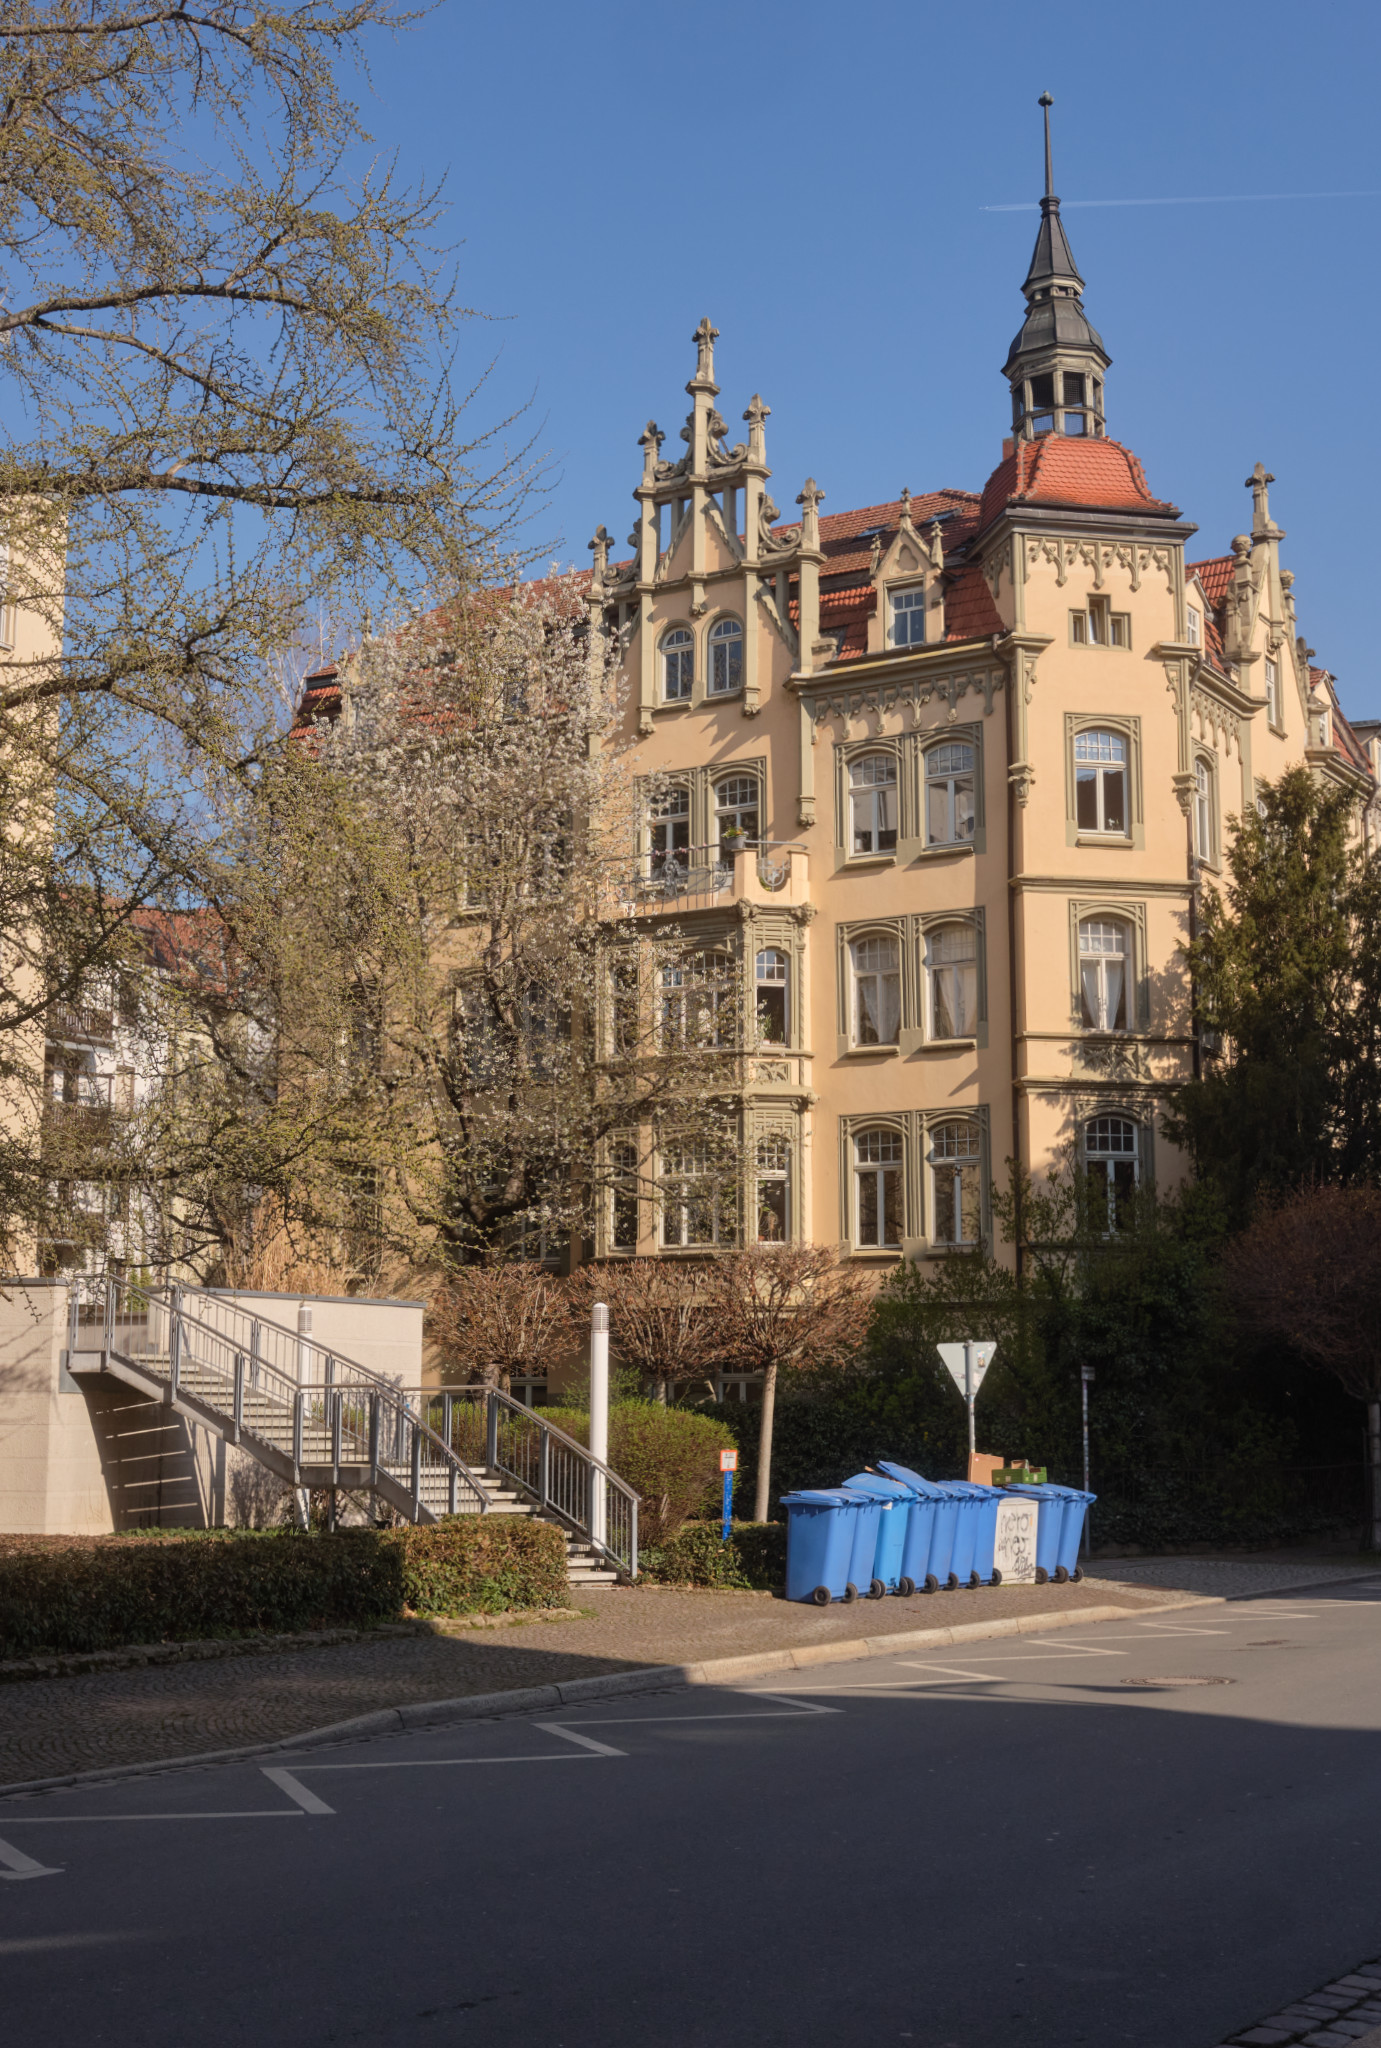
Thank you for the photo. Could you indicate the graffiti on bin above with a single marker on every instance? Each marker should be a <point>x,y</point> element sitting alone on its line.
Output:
<point>1014,1553</point>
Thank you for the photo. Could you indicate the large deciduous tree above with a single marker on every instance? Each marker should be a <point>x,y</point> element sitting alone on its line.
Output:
<point>1287,972</point>
<point>1308,1273</point>
<point>227,336</point>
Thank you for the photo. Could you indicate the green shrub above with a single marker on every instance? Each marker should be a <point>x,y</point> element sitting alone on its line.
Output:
<point>99,1593</point>
<point>670,1456</point>
<point>754,1558</point>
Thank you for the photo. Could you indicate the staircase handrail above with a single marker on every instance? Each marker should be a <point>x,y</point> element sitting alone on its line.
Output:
<point>248,1364</point>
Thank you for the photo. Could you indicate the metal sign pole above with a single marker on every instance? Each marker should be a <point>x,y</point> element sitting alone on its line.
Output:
<point>1086,1373</point>
<point>599,1414</point>
<point>969,1393</point>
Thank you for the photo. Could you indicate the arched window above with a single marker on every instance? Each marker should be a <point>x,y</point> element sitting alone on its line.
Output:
<point>878,1188</point>
<point>774,1190</point>
<point>726,657</point>
<point>951,972</point>
<point>671,835</point>
<point>678,664</point>
<point>1100,783</point>
<point>908,618</point>
<point>956,1188</point>
<point>949,799</point>
<point>1112,1162</point>
<point>773,984</point>
<point>736,814</point>
<point>699,1196</point>
<point>1104,951</point>
<point>876,991</point>
<point>1203,809</point>
<point>873,803</point>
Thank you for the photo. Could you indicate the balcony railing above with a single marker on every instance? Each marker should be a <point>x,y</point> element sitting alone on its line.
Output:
<point>688,877</point>
<point>82,1022</point>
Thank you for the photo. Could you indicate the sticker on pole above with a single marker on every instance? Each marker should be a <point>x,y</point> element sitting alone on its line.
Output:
<point>728,1461</point>
<point>953,1355</point>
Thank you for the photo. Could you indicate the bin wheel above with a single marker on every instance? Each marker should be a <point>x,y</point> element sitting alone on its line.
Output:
<point>1076,1575</point>
<point>850,1594</point>
<point>877,1589</point>
<point>932,1584</point>
<point>996,1579</point>
<point>1042,1575</point>
<point>905,1588</point>
<point>974,1580</point>
<point>822,1596</point>
<point>1061,1575</point>
<point>952,1583</point>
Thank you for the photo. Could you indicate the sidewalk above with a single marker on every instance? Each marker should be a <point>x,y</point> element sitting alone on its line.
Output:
<point>94,1720</point>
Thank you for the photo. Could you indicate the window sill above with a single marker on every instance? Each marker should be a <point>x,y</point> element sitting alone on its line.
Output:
<point>876,1254</point>
<point>950,846</point>
<point>871,860</point>
<point>672,704</point>
<point>722,696</point>
<point>871,1052</point>
<point>1104,839</point>
<point>947,1045</point>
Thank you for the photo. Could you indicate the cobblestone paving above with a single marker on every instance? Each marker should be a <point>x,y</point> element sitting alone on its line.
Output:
<point>1340,2015</point>
<point>1224,1577</point>
<point>90,1719</point>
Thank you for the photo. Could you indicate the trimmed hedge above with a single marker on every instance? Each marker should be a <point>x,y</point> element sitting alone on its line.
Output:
<point>102,1592</point>
<point>753,1559</point>
<point>670,1456</point>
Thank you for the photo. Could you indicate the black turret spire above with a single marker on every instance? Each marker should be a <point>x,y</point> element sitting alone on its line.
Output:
<point>1055,365</point>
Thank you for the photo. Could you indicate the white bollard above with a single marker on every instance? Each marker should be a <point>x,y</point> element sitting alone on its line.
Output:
<point>599,1416</point>
<point>304,1347</point>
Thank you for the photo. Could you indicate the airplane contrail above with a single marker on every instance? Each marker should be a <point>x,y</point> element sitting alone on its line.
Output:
<point>1205,199</point>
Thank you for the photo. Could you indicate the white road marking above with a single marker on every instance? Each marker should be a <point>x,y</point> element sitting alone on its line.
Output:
<point>585,1741</point>
<point>54,1820</point>
<point>440,1763</point>
<point>286,1782</point>
<point>803,1706</point>
<point>657,1720</point>
<point>19,1866</point>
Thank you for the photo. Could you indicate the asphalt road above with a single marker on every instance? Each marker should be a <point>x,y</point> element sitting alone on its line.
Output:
<point>1013,1843</point>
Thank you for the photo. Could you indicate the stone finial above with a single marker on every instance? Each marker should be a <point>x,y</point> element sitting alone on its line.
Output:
<point>704,337</point>
<point>650,441</point>
<point>599,548</point>
<point>1241,545</point>
<point>905,506</point>
<point>810,500</point>
<point>936,541</point>
<point>1257,483</point>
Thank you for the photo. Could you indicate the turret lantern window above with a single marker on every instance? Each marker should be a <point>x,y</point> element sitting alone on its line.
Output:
<point>726,658</point>
<point>678,664</point>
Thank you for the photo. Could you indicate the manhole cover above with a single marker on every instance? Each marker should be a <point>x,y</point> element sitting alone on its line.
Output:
<point>1179,1681</point>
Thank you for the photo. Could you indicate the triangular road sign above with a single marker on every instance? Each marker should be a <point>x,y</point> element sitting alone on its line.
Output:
<point>953,1355</point>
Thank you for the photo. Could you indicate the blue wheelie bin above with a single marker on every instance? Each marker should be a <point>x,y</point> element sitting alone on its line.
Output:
<point>895,1502</point>
<point>1049,1524</point>
<point>820,1529</point>
<point>1077,1505</point>
<point>989,1499</point>
<point>966,1531</point>
<point>929,1529</point>
<point>862,1575</point>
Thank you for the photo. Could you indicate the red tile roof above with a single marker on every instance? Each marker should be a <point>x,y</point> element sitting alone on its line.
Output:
<point>1215,575</point>
<point>970,613</point>
<point>1056,470</point>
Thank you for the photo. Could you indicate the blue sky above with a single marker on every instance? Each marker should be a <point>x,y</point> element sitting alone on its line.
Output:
<point>815,177</point>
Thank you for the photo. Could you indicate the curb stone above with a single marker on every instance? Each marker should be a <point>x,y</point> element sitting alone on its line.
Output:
<point>573,1692</point>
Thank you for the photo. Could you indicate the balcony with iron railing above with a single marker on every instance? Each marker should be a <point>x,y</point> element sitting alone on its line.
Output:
<point>81,1024</point>
<point>767,871</point>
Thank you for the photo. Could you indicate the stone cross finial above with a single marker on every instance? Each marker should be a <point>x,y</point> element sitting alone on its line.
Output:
<point>757,416</point>
<point>705,337</point>
<point>937,544</point>
<point>809,500</point>
<point>650,441</point>
<point>599,548</point>
<point>1261,505</point>
<point>905,506</point>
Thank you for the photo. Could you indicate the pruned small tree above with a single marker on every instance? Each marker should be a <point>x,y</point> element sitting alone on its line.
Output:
<point>786,1308</point>
<point>1307,1272</point>
<point>662,1317</point>
<point>499,1320</point>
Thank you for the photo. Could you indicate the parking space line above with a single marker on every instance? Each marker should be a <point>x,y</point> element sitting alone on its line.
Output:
<point>286,1782</point>
<point>440,1763</point>
<point>585,1741</point>
<point>59,1820</point>
<point>19,1866</point>
<point>657,1720</point>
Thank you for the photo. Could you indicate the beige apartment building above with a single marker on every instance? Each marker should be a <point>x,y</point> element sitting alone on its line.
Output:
<point>938,781</point>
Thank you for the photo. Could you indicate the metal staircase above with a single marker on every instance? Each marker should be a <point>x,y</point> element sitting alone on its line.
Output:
<point>323,1423</point>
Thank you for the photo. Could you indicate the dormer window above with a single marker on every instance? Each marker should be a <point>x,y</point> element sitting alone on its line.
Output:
<point>908,618</point>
